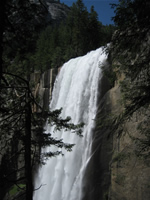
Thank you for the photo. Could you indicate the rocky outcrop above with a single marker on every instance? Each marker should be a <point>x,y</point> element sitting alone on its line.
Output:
<point>57,11</point>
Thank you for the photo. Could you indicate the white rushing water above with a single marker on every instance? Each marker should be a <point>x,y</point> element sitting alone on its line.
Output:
<point>76,91</point>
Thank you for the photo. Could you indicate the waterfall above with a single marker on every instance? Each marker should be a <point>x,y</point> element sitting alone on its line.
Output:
<point>76,91</point>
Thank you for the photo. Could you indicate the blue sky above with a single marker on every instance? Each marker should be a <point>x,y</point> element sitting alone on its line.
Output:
<point>102,7</point>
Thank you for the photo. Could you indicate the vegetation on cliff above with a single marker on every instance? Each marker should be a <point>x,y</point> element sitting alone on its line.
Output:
<point>130,52</point>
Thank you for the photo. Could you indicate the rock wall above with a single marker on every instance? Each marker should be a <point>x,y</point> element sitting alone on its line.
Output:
<point>43,87</point>
<point>57,11</point>
<point>130,173</point>
<point>118,173</point>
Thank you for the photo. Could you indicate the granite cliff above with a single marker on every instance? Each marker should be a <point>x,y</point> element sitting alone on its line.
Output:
<point>43,87</point>
<point>121,174</point>
<point>57,11</point>
<point>119,171</point>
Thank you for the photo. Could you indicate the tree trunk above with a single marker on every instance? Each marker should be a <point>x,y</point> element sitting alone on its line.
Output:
<point>2,23</point>
<point>28,168</point>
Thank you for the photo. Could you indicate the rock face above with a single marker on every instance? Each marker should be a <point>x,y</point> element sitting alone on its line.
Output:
<point>118,173</point>
<point>57,11</point>
<point>130,174</point>
<point>43,87</point>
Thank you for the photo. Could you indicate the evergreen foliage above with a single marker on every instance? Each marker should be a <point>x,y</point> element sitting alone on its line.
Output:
<point>32,44</point>
<point>80,33</point>
<point>22,20</point>
<point>21,134</point>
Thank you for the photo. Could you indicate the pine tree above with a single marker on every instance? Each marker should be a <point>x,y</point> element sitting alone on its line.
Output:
<point>18,124</point>
<point>94,29</point>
